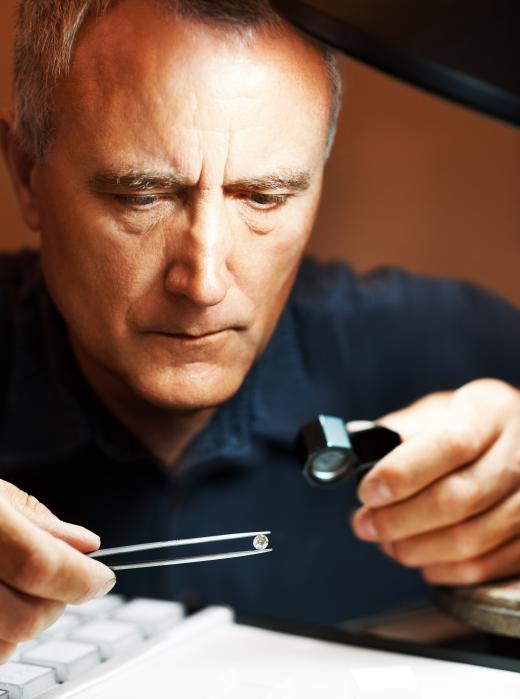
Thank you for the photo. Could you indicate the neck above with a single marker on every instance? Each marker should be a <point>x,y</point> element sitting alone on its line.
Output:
<point>164,432</point>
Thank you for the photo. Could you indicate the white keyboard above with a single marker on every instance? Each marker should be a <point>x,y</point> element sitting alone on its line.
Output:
<point>81,641</point>
<point>148,648</point>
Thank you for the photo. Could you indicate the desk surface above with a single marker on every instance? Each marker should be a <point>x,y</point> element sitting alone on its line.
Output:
<point>211,657</point>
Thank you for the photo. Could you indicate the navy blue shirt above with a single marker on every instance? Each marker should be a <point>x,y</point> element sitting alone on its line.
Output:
<point>345,345</point>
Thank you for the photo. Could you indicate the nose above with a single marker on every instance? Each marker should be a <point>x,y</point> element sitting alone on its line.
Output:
<point>199,269</point>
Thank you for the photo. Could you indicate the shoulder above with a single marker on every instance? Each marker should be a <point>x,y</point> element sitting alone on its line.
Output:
<point>17,269</point>
<point>401,334</point>
<point>335,288</point>
<point>20,278</point>
<point>20,275</point>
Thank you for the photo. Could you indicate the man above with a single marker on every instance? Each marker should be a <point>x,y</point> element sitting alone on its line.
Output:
<point>156,370</point>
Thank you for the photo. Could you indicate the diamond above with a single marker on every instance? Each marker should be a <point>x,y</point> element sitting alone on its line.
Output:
<point>260,542</point>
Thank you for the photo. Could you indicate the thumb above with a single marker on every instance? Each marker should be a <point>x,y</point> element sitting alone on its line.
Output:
<point>80,538</point>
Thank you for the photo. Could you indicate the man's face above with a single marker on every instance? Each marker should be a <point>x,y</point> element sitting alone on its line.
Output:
<point>178,197</point>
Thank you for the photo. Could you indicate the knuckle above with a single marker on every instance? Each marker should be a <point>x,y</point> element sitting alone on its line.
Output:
<point>31,504</point>
<point>461,444</point>
<point>382,525</point>
<point>35,567</point>
<point>6,488</point>
<point>397,482</point>
<point>506,391</point>
<point>405,555</point>
<point>458,495</point>
<point>513,464</point>
<point>485,383</point>
<point>21,500</point>
<point>465,543</point>
<point>38,615</point>
<point>471,572</point>
<point>24,627</point>
<point>391,474</point>
<point>504,396</point>
<point>466,573</point>
<point>27,625</point>
<point>514,422</point>
<point>16,496</point>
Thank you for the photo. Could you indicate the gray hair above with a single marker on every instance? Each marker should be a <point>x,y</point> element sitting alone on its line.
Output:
<point>47,30</point>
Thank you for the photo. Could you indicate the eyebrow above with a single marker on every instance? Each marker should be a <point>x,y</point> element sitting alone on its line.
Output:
<point>135,181</point>
<point>288,180</point>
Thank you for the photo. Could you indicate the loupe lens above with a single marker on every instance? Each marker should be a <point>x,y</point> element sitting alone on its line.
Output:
<point>328,466</point>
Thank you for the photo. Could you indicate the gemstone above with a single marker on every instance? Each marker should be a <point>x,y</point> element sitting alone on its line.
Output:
<point>260,542</point>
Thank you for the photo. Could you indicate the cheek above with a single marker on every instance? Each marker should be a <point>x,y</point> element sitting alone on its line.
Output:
<point>285,242</point>
<point>268,275</point>
<point>91,265</point>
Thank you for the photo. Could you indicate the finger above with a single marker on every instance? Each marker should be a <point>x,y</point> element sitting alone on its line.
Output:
<point>454,498</point>
<point>79,537</point>
<point>470,539</point>
<point>499,563</point>
<point>35,562</point>
<point>422,460</point>
<point>474,418</point>
<point>24,617</point>
<point>6,650</point>
<point>418,416</point>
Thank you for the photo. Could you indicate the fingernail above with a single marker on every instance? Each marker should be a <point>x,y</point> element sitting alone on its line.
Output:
<point>375,493</point>
<point>365,528</point>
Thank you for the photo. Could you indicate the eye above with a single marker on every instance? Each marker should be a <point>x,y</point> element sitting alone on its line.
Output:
<point>141,201</point>
<point>266,202</point>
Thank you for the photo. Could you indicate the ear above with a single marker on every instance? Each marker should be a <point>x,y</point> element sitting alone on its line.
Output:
<point>20,167</point>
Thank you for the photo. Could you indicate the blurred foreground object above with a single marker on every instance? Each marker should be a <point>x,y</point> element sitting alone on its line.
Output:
<point>466,52</point>
<point>494,607</point>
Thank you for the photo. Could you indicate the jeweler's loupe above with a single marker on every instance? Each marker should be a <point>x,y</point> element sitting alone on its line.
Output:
<point>331,452</point>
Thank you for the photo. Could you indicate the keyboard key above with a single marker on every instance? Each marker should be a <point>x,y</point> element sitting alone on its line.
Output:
<point>68,658</point>
<point>22,648</point>
<point>62,626</point>
<point>23,681</point>
<point>110,637</point>
<point>102,606</point>
<point>152,615</point>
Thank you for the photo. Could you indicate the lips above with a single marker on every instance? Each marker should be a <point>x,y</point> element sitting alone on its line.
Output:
<point>198,338</point>
<point>193,335</point>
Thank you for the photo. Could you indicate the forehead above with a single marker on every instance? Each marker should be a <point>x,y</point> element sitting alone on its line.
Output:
<point>143,79</point>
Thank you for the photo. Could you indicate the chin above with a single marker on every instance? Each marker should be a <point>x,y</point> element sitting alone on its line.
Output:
<point>188,389</point>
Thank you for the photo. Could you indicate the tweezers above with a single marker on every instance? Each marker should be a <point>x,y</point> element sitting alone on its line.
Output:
<point>260,543</point>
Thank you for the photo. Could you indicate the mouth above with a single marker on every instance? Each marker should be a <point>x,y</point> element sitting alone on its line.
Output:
<point>197,338</point>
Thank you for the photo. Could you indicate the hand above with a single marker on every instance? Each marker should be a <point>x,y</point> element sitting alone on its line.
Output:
<point>42,568</point>
<point>447,500</point>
